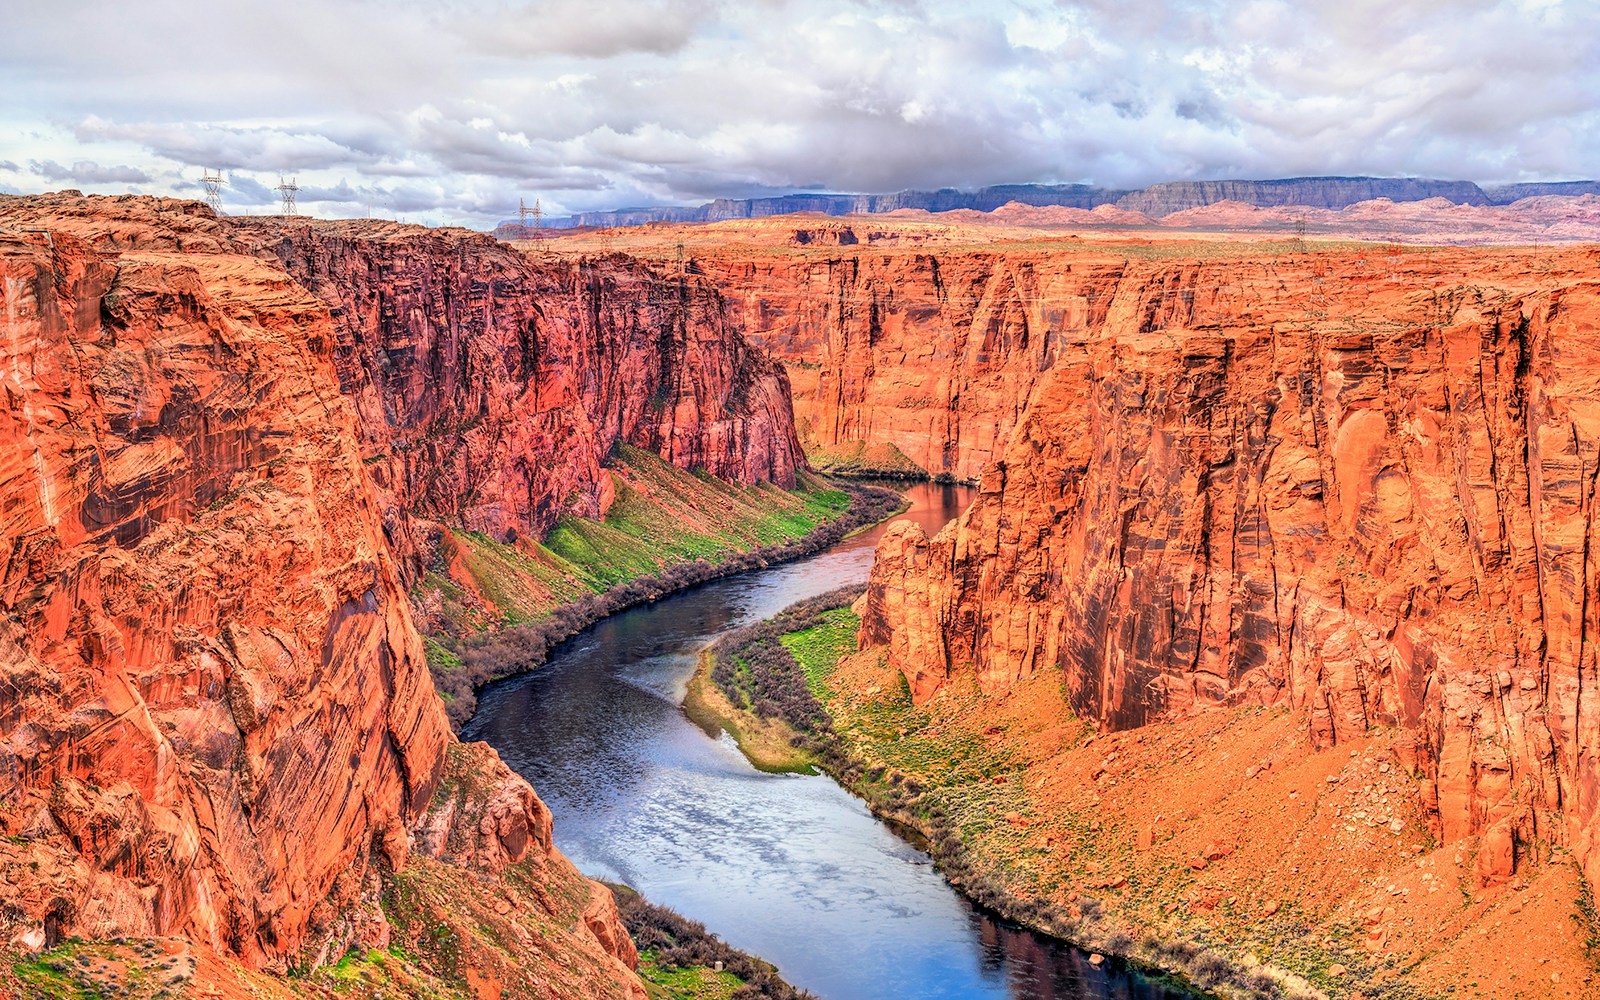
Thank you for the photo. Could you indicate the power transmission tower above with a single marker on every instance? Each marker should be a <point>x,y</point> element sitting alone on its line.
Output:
<point>287,190</point>
<point>213,183</point>
<point>523,211</point>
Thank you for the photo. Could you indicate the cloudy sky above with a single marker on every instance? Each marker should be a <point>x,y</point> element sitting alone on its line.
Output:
<point>448,111</point>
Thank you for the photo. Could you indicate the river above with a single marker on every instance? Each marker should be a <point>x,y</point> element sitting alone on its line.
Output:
<point>788,867</point>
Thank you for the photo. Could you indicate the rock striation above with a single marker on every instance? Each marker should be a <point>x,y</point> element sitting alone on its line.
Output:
<point>933,353</point>
<point>491,388</point>
<point>1156,200</point>
<point>943,200</point>
<point>1361,486</point>
<point>1164,199</point>
<point>214,700</point>
<point>216,718</point>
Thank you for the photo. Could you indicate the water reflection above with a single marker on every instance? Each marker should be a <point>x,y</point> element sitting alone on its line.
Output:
<point>791,868</point>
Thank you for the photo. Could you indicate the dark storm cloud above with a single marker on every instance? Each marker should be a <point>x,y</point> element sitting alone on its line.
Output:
<point>454,111</point>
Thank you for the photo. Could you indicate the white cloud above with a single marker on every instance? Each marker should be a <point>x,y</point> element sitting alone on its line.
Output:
<point>88,172</point>
<point>456,110</point>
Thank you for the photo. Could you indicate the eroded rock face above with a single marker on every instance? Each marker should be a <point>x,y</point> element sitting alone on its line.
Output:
<point>935,354</point>
<point>212,693</point>
<point>1361,486</point>
<point>491,387</point>
<point>215,715</point>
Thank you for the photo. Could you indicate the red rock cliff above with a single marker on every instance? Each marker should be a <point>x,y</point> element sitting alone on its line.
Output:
<point>933,353</point>
<point>216,719</point>
<point>491,387</point>
<point>213,694</point>
<point>1363,487</point>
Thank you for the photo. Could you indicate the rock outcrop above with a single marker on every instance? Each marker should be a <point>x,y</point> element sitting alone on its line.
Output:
<point>1156,200</point>
<point>491,388</point>
<point>213,698</point>
<point>1505,194</point>
<point>1360,486</point>
<point>1159,200</point>
<point>942,200</point>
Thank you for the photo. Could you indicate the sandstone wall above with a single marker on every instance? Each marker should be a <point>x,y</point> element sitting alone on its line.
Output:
<point>215,715</point>
<point>1365,487</point>
<point>1166,198</point>
<point>491,388</point>
<point>933,353</point>
<point>213,698</point>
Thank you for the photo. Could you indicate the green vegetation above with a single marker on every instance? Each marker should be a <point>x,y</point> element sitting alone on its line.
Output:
<point>670,982</point>
<point>857,458</point>
<point>497,608</point>
<point>680,960</point>
<point>362,971</point>
<point>819,648</point>
<point>960,792</point>
<point>771,745</point>
<point>99,970</point>
<point>1588,922</point>
<point>763,684</point>
<point>52,974</point>
<point>661,516</point>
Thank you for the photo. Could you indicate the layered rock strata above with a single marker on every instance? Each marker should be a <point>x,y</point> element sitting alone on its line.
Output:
<point>214,699</point>
<point>1365,491</point>
<point>1156,200</point>
<point>935,354</point>
<point>491,387</point>
<point>217,720</point>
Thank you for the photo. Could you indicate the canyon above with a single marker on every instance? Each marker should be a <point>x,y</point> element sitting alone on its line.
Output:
<point>226,439</point>
<point>1314,513</point>
<point>1157,200</point>
<point>1245,501</point>
<point>913,342</point>
<point>1360,495</point>
<point>490,388</point>
<point>1223,475</point>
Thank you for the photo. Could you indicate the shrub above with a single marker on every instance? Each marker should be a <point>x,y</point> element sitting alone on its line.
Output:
<point>683,943</point>
<point>754,669</point>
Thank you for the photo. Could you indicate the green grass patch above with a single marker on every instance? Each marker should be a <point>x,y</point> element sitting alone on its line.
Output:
<point>858,458</point>
<point>818,649</point>
<point>51,974</point>
<point>667,982</point>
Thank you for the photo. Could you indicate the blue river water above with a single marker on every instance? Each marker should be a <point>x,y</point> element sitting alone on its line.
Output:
<point>788,867</point>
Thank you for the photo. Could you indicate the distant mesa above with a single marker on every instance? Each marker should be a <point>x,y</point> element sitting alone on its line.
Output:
<point>1155,202</point>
